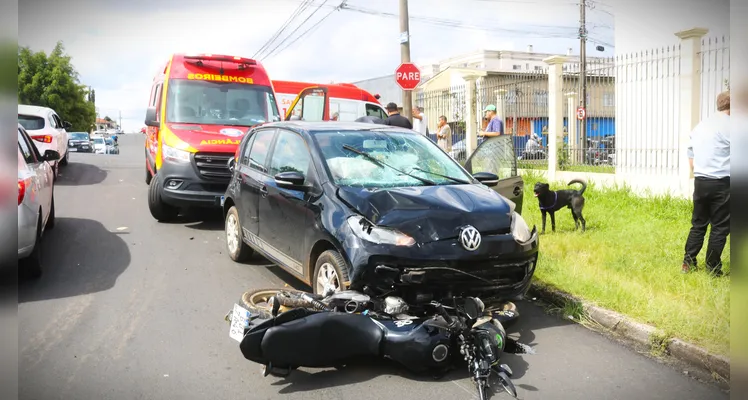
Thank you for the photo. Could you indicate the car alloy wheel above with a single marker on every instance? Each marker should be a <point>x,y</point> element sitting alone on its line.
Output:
<point>232,233</point>
<point>327,279</point>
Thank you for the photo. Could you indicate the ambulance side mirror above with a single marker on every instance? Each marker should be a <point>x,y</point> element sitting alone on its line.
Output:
<point>151,117</point>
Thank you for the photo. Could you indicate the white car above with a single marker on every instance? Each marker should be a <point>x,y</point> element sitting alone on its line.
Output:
<point>47,130</point>
<point>36,203</point>
<point>99,144</point>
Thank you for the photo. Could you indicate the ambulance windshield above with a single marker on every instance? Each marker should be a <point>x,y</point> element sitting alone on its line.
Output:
<point>219,103</point>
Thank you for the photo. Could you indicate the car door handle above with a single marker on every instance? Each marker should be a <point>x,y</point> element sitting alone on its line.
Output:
<point>264,191</point>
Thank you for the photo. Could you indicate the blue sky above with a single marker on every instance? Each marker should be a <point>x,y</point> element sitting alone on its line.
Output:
<point>117,47</point>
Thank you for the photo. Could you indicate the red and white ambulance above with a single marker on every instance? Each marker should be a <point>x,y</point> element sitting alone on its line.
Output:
<point>346,100</point>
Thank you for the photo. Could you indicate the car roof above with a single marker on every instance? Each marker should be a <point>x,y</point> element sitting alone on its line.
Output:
<point>33,110</point>
<point>330,126</point>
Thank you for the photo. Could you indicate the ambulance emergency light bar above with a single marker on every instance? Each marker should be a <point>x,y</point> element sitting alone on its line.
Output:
<point>221,58</point>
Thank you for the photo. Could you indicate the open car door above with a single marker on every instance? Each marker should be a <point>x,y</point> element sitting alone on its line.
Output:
<point>497,155</point>
<point>312,104</point>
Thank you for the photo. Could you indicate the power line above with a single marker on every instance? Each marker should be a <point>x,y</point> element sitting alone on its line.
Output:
<point>304,4</point>
<point>311,29</point>
<point>316,10</point>
<point>539,31</point>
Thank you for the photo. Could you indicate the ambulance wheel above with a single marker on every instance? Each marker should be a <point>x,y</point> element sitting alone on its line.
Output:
<point>161,211</point>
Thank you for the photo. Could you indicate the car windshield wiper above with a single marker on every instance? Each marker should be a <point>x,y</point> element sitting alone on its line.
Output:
<point>383,164</point>
<point>458,180</point>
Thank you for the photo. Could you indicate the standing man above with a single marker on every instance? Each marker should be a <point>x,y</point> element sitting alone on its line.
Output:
<point>420,122</point>
<point>444,135</point>
<point>494,128</point>
<point>709,157</point>
<point>395,119</point>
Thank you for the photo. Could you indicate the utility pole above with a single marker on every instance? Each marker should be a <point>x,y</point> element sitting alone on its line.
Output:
<point>583,69</point>
<point>120,119</point>
<point>405,56</point>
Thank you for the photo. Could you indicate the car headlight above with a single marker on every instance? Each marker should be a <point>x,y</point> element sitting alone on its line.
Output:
<point>520,230</point>
<point>365,230</point>
<point>171,153</point>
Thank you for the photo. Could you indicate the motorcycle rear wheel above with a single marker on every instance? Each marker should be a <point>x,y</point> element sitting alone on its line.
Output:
<point>258,301</point>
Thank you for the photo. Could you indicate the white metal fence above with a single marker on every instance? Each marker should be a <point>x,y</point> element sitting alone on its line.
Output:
<point>715,71</point>
<point>641,105</point>
<point>647,114</point>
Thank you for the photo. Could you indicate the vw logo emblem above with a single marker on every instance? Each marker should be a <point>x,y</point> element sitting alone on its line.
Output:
<point>470,238</point>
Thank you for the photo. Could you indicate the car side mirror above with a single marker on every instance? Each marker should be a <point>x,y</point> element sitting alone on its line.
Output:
<point>232,164</point>
<point>51,155</point>
<point>292,180</point>
<point>151,117</point>
<point>487,178</point>
<point>67,125</point>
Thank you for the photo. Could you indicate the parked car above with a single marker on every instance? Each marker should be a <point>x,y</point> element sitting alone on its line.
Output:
<point>341,204</point>
<point>48,131</point>
<point>80,142</point>
<point>36,202</point>
<point>99,144</point>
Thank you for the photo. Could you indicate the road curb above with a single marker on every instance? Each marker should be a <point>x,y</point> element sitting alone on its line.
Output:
<point>642,334</point>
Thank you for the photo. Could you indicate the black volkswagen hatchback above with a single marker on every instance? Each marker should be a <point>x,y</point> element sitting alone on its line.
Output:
<point>371,207</point>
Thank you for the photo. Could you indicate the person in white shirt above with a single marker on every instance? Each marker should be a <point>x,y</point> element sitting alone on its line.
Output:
<point>709,158</point>
<point>420,122</point>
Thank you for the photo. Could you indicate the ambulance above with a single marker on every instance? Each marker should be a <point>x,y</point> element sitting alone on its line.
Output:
<point>199,109</point>
<point>345,100</point>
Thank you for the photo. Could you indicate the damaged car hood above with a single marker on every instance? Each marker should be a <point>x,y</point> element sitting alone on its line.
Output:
<point>431,213</point>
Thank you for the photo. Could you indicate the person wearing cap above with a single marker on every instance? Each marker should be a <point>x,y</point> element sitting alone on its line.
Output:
<point>709,159</point>
<point>495,127</point>
<point>395,119</point>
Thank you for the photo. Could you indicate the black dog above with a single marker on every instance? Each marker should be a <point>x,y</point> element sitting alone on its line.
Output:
<point>551,201</point>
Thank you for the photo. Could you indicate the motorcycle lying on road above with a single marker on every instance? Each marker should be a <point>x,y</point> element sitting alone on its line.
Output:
<point>312,332</point>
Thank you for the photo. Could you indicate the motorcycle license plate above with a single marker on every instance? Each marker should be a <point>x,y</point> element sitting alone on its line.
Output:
<point>72,149</point>
<point>239,321</point>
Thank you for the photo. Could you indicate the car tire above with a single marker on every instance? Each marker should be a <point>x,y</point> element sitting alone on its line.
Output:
<point>161,211</point>
<point>238,250</point>
<point>51,219</point>
<point>328,263</point>
<point>64,160</point>
<point>32,265</point>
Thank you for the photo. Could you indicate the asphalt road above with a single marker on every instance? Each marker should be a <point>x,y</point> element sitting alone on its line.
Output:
<point>129,308</point>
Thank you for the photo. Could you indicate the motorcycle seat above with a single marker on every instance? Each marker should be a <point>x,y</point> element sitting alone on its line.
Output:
<point>322,340</point>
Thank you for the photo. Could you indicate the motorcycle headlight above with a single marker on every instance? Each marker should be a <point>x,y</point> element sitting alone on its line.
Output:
<point>520,230</point>
<point>174,154</point>
<point>379,235</point>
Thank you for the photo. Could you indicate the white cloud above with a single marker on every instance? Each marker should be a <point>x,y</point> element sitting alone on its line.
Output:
<point>118,47</point>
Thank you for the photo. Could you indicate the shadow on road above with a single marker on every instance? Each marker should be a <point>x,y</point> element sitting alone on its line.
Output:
<point>80,174</point>
<point>359,371</point>
<point>80,256</point>
<point>202,219</point>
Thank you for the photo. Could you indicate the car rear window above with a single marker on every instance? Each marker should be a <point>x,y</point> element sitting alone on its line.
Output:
<point>99,140</point>
<point>31,122</point>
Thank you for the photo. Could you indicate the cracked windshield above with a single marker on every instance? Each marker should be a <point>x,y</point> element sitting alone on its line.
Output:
<point>390,159</point>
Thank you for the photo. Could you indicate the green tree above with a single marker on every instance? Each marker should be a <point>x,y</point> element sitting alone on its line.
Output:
<point>52,81</point>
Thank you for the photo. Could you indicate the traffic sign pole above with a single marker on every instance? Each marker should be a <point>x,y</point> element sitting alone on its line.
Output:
<point>405,56</point>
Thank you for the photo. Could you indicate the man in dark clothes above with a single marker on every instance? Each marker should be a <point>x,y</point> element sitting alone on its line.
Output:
<point>709,156</point>
<point>395,119</point>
